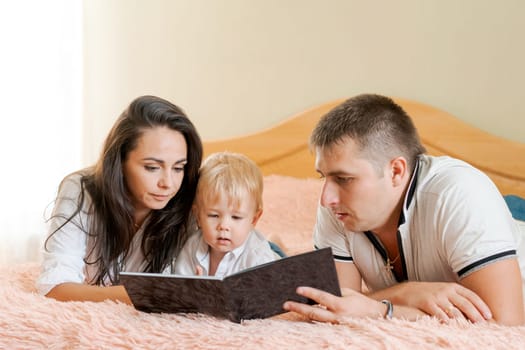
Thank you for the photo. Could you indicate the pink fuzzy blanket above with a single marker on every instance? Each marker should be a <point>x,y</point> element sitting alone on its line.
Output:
<point>31,321</point>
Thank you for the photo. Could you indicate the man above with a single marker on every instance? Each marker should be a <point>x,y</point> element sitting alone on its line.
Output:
<point>427,235</point>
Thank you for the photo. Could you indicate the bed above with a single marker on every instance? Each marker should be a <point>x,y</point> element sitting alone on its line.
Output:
<point>30,321</point>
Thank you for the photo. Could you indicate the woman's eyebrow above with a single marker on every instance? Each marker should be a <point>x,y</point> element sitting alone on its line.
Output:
<point>182,160</point>
<point>153,159</point>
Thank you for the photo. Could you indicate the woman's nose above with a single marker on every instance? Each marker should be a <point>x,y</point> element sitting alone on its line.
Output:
<point>166,180</point>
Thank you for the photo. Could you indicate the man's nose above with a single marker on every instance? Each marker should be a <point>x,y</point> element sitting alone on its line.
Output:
<point>329,195</point>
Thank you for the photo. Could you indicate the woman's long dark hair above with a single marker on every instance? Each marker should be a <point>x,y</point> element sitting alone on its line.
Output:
<point>112,226</point>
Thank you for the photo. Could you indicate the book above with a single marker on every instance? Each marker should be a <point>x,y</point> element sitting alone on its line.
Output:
<point>257,292</point>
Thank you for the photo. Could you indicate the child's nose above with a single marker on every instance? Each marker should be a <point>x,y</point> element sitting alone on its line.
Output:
<point>223,225</point>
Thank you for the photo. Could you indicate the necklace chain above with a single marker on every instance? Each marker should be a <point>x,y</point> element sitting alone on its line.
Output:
<point>389,266</point>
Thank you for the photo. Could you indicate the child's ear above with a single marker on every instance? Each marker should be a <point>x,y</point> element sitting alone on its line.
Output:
<point>256,217</point>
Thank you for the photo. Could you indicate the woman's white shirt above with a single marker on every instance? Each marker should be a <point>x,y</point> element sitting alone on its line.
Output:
<point>66,250</point>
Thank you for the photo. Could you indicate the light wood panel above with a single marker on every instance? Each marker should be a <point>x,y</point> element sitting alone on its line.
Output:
<point>283,149</point>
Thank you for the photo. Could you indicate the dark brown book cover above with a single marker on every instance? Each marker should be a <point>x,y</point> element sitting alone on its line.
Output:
<point>258,292</point>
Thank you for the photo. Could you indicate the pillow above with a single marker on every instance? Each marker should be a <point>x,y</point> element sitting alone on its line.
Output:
<point>516,205</point>
<point>289,212</point>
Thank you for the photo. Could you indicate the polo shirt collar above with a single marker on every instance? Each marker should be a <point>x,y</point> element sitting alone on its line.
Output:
<point>410,193</point>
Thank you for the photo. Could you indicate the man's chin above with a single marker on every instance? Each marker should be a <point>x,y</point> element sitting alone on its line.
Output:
<point>352,227</point>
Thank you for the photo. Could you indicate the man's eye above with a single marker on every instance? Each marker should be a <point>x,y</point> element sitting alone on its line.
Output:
<point>343,180</point>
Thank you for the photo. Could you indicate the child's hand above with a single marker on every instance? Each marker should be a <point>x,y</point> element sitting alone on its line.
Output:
<point>199,271</point>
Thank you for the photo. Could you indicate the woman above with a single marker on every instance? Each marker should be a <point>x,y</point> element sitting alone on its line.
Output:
<point>130,211</point>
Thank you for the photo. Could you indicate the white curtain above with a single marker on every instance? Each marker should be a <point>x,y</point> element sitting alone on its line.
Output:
<point>40,116</point>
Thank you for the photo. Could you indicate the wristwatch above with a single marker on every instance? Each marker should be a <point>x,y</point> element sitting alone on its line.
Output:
<point>389,309</point>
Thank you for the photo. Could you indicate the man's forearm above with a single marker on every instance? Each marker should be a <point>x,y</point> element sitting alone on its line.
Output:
<point>393,293</point>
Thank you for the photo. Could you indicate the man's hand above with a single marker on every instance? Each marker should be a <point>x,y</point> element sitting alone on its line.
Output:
<point>332,308</point>
<point>440,299</point>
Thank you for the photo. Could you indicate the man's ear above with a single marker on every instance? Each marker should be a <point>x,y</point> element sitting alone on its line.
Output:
<point>257,216</point>
<point>398,170</point>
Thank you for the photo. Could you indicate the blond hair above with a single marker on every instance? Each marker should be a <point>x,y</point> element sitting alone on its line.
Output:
<point>233,174</point>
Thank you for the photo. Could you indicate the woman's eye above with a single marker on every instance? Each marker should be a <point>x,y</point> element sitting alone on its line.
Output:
<point>150,167</point>
<point>178,169</point>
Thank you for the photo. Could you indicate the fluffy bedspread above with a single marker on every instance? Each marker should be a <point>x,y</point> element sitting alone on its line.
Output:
<point>31,321</point>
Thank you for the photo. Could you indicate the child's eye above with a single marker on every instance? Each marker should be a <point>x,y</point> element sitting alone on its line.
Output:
<point>213,215</point>
<point>236,217</point>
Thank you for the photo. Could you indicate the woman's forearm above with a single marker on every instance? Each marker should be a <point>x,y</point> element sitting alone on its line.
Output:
<point>83,292</point>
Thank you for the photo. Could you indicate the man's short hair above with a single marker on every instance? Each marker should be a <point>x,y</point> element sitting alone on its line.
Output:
<point>381,129</point>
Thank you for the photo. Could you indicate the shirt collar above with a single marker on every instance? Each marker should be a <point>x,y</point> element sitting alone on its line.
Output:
<point>203,254</point>
<point>410,193</point>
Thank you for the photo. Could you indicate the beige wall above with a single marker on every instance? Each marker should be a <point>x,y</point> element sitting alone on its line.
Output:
<point>237,66</point>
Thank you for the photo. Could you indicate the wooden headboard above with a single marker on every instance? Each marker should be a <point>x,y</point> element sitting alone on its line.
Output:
<point>283,149</point>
